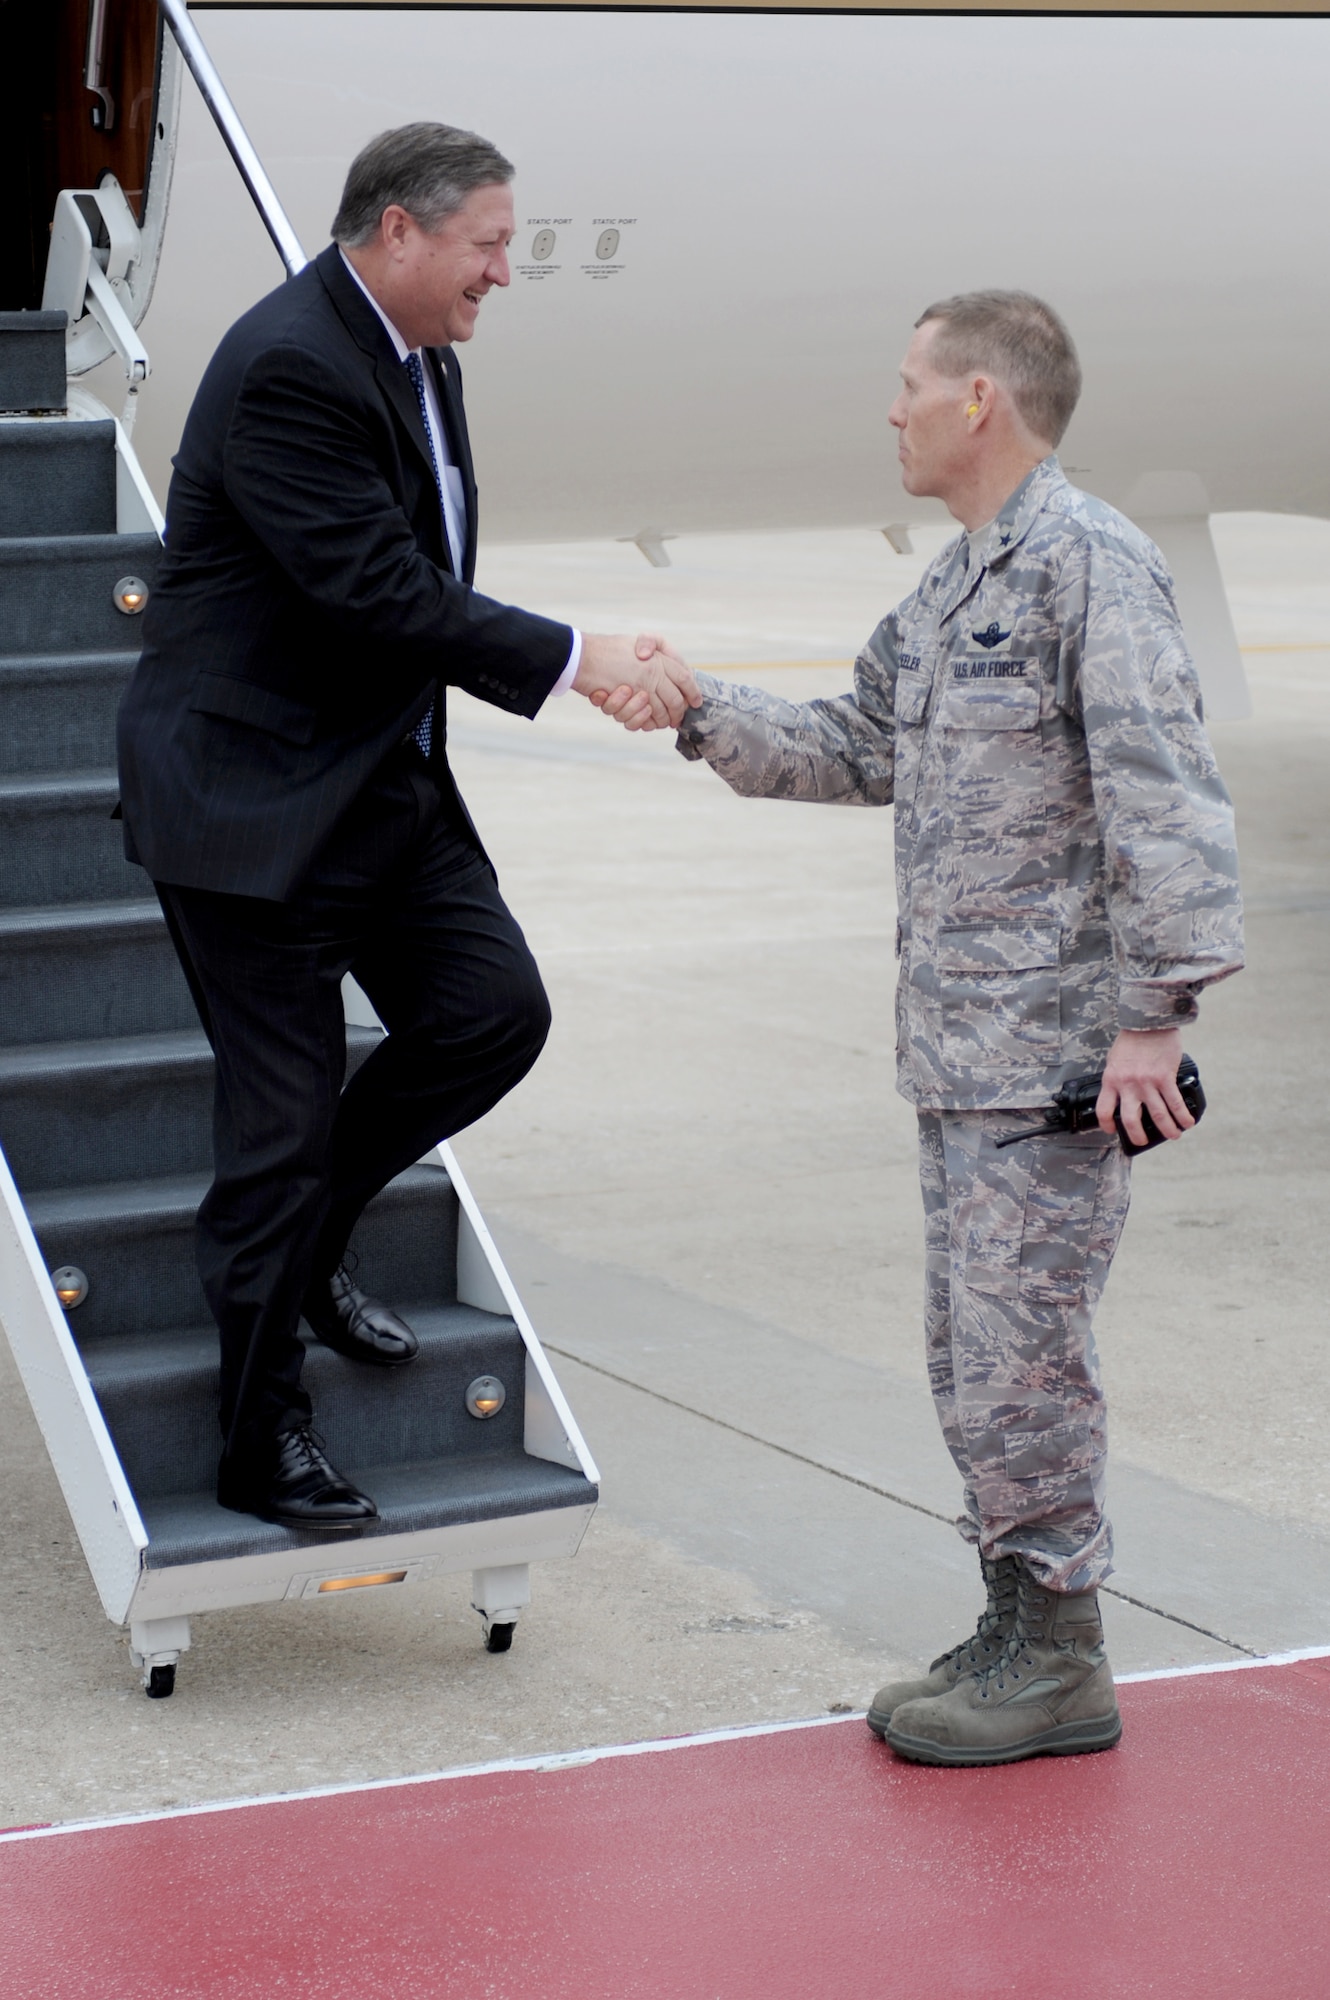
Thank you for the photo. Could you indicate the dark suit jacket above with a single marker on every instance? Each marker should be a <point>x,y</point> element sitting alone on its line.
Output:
<point>305,615</point>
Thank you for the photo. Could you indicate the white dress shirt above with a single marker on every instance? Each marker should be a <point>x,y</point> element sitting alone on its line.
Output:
<point>454,500</point>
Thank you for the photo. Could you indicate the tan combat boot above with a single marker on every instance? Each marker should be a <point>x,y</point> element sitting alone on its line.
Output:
<point>1050,1693</point>
<point>983,1646</point>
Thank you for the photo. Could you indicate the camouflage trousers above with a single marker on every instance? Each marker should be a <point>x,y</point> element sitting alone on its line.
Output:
<point>1018,1245</point>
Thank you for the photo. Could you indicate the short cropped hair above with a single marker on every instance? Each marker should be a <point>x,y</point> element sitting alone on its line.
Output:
<point>429,170</point>
<point>1020,342</point>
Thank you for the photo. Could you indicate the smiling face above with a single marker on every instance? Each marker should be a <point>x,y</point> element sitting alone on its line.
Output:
<point>439,279</point>
<point>935,442</point>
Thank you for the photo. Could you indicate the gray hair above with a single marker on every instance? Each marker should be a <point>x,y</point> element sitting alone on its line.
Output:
<point>1018,340</point>
<point>429,170</point>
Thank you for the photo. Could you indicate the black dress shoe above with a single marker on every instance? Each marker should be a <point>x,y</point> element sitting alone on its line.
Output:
<point>361,1328</point>
<point>303,1489</point>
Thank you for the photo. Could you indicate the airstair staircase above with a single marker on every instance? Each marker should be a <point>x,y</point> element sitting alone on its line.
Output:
<point>471,1453</point>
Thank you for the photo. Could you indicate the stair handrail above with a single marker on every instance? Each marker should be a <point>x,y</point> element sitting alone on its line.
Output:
<point>238,143</point>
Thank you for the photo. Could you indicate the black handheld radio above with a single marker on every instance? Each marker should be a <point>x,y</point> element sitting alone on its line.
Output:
<point>1073,1110</point>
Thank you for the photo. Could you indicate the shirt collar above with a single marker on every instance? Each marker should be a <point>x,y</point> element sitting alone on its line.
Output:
<point>400,347</point>
<point>970,558</point>
<point>1014,519</point>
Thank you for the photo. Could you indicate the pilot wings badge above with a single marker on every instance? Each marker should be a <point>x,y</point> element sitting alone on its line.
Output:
<point>991,636</point>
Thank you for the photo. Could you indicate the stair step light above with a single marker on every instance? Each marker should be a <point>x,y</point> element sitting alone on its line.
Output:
<point>362,1582</point>
<point>71,1285</point>
<point>486,1396</point>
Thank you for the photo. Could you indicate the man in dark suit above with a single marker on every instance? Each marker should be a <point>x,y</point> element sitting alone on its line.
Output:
<point>285,780</point>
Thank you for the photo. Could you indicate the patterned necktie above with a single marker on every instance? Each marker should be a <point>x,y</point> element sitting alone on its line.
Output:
<point>423,732</point>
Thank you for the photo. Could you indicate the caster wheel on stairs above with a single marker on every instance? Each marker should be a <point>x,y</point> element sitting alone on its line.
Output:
<point>499,1638</point>
<point>160,1683</point>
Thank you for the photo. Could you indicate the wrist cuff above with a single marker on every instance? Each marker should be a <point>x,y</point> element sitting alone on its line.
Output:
<point>1142,1007</point>
<point>569,674</point>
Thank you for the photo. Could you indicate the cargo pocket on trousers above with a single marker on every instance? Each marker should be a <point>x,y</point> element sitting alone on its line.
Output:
<point>1052,1453</point>
<point>1062,1200</point>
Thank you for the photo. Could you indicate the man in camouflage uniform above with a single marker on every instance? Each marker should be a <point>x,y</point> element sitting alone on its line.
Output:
<point>1067,884</point>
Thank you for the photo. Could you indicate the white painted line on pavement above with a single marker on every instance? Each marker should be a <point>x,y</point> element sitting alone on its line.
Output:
<point>571,1759</point>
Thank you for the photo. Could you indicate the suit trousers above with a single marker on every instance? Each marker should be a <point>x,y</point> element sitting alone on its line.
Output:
<point>1018,1245</point>
<point>402,897</point>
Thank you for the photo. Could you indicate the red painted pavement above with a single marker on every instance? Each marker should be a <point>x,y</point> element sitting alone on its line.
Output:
<point>1193,1863</point>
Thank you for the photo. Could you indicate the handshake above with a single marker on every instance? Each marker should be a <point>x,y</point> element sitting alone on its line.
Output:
<point>637,682</point>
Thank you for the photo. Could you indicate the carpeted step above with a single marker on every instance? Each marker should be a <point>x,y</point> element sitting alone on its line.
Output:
<point>191,1527</point>
<point>33,370</point>
<point>57,591</point>
<point>57,478</point>
<point>159,1399</point>
<point>115,1110</point>
<point>134,1241</point>
<point>129,1108</point>
<point>58,842</point>
<point>57,710</point>
<point>78,970</point>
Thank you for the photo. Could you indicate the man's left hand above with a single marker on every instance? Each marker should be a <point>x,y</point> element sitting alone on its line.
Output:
<point>1142,1073</point>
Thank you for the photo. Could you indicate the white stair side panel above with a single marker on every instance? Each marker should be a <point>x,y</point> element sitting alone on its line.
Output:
<point>136,509</point>
<point>95,1488</point>
<point>551,1429</point>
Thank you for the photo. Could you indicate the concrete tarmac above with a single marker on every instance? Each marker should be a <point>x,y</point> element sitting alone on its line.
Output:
<point>707,1193</point>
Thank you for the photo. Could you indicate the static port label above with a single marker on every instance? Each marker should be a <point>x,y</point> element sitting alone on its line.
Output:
<point>550,243</point>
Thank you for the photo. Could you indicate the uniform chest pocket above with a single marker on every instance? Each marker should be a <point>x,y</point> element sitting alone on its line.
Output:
<point>989,703</point>
<point>992,757</point>
<point>911,701</point>
<point>911,698</point>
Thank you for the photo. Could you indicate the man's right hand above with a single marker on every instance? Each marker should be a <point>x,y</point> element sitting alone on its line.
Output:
<point>1142,1075</point>
<point>662,683</point>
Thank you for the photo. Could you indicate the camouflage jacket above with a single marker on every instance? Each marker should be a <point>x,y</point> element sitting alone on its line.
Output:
<point>1065,861</point>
